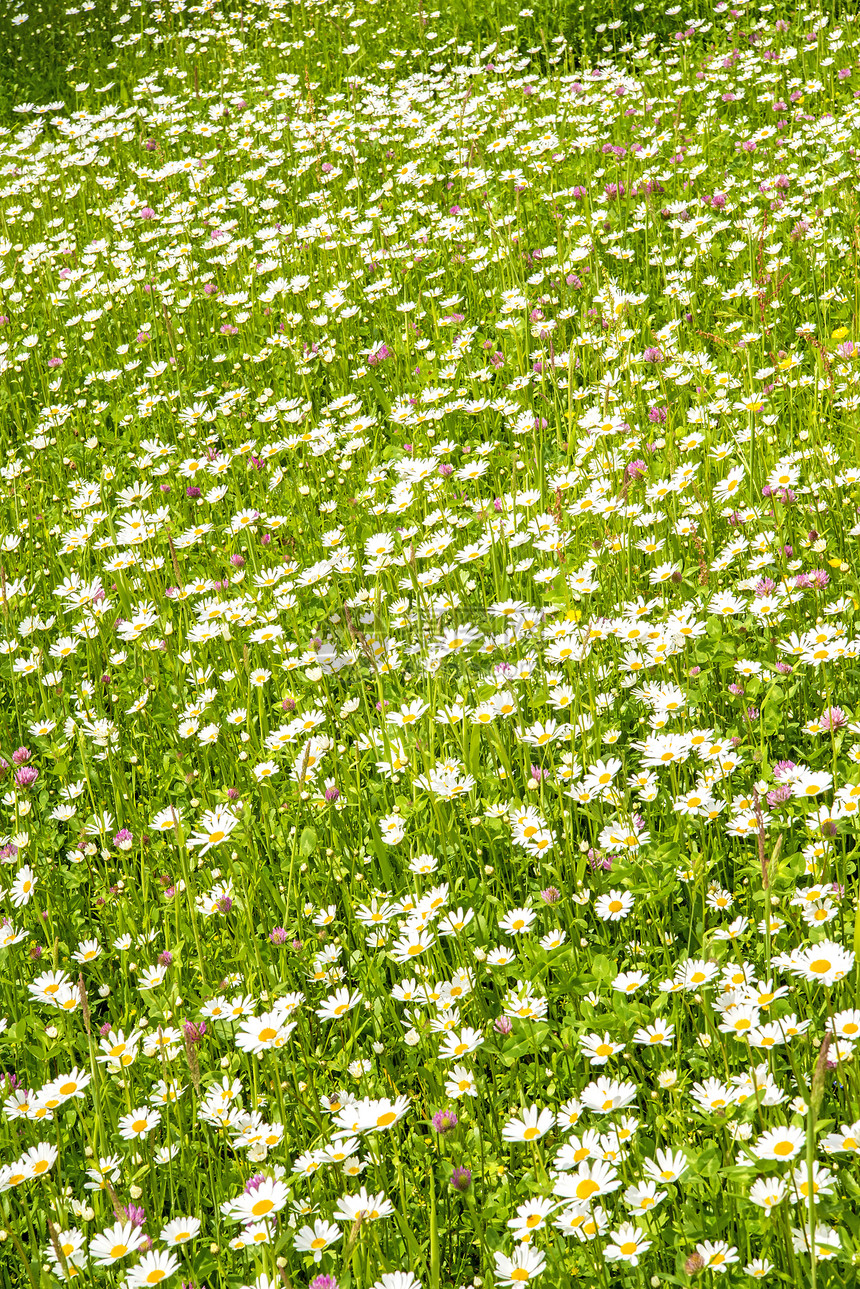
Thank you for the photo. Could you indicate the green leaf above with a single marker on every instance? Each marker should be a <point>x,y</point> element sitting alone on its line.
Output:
<point>308,842</point>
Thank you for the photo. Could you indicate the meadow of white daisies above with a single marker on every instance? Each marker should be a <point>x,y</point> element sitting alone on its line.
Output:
<point>430,724</point>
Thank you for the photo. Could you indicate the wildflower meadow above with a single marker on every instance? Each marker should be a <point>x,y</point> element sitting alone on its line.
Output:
<point>430,722</point>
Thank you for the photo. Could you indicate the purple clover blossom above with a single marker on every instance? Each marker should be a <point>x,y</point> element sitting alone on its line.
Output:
<point>332,794</point>
<point>833,719</point>
<point>504,1026</point>
<point>597,860</point>
<point>135,1214</point>
<point>653,355</point>
<point>379,355</point>
<point>194,1033</point>
<point>26,776</point>
<point>323,1282</point>
<point>778,796</point>
<point>21,755</point>
<point>551,895</point>
<point>277,935</point>
<point>636,469</point>
<point>254,1182</point>
<point>782,769</point>
<point>444,1121</point>
<point>461,1179</point>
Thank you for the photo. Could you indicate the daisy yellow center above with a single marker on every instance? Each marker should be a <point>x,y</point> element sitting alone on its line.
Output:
<point>628,1247</point>
<point>119,1250</point>
<point>819,966</point>
<point>783,1148</point>
<point>530,1134</point>
<point>267,1034</point>
<point>586,1188</point>
<point>386,1119</point>
<point>262,1207</point>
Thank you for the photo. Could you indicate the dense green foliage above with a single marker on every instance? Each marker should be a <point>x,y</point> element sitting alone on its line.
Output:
<point>429,702</point>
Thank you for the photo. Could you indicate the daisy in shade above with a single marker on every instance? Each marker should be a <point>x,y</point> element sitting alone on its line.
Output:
<point>717,1255</point>
<point>316,1238</point>
<point>23,886</point>
<point>39,1159</point>
<point>585,1221</point>
<point>780,1143</point>
<point>518,921</point>
<point>667,1166</point>
<point>846,1140</point>
<point>152,1269</point>
<point>370,1207</point>
<point>261,1033</point>
<point>166,819</point>
<point>643,1197</point>
<point>597,1049</point>
<point>338,1004</point>
<point>70,1245</point>
<point>604,1095</point>
<point>68,1086</point>
<point>614,906</point>
<point>533,1125</point>
<point>589,1181</point>
<point>767,1192</point>
<point>824,963</point>
<point>138,1123</point>
<point>658,1034</point>
<point>376,1116</point>
<point>264,1199</point>
<point>525,1265</point>
<point>530,1217</point>
<point>180,1230</point>
<point>627,1244</point>
<point>115,1243</point>
<point>462,1044</point>
<point>215,826</point>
